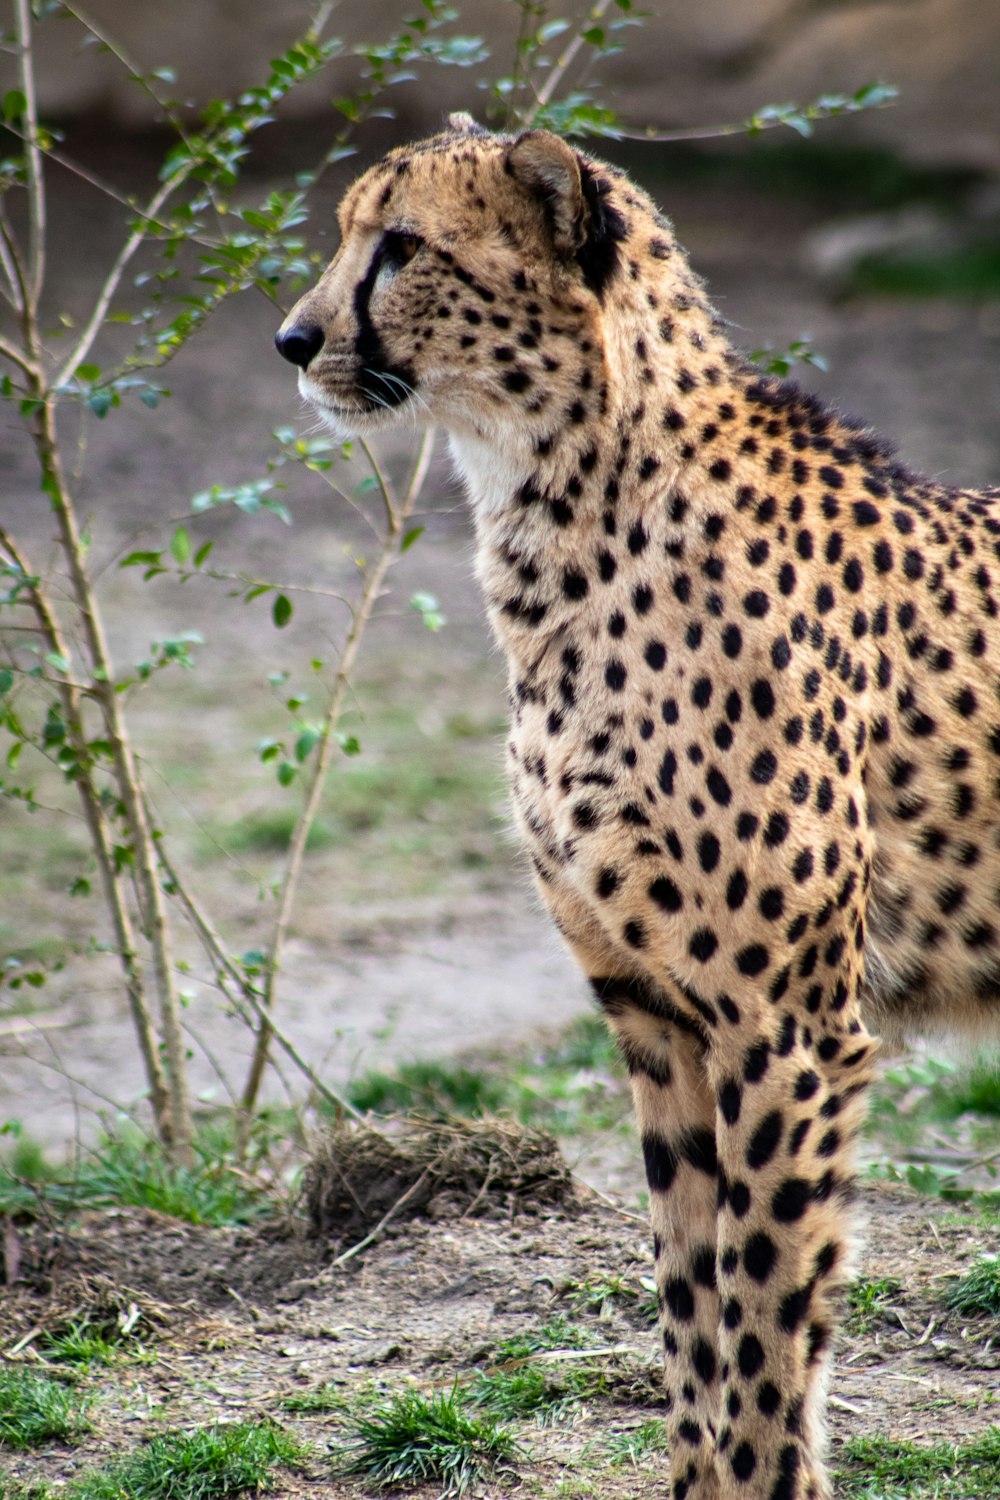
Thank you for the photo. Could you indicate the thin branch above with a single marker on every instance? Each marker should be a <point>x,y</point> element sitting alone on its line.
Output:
<point>564,62</point>
<point>325,749</point>
<point>36,186</point>
<point>10,258</point>
<point>219,955</point>
<point>126,774</point>
<point>8,351</point>
<point>383,485</point>
<point>94,814</point>
<point>113,280</point>
<point>391,1214</point>
<point>135,74</point>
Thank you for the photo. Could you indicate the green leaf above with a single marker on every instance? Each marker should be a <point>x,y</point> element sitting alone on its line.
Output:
<point>281,611</point>
<point>80,887</point>
<point>413,535</point>
<point>427,607</point>
<point>306,744</point>
<point>57,660</point>
<point>100,402</point>
<point>286,773</point>
<point>349,743</point>
<point>6,681</point>
<point>141,560</point>
<point>180,545</point>
<point>202,553</point>
<point>14,106</point>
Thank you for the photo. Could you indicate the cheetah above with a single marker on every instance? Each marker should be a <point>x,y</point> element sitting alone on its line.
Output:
<point>755,735</point>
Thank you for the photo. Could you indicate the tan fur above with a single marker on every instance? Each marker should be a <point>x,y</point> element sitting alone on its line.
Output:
<point>753,717</point>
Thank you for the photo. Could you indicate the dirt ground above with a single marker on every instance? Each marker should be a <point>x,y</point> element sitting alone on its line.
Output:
<point>238,1324</point>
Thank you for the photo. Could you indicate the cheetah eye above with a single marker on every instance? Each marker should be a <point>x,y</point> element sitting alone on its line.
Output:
<point>400,248</point>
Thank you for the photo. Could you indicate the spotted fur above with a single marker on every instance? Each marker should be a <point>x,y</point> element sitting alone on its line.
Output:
<point>755,733</point>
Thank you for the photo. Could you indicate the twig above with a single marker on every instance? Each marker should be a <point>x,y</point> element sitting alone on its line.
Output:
<point>564,63</point>
<point>178,1127</point>
<point>135,74</point>
<point>8,351</point>
<point>363,1244</point>
<point>216,950</point>
<point>36,189</point>
<point>94,813</point>
<point>324,754</point>
<point>113,279</point>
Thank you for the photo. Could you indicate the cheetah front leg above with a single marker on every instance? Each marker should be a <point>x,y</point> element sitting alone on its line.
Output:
<point>665,1053</point>
<point>675,1114</point>
<point>788,1109</point>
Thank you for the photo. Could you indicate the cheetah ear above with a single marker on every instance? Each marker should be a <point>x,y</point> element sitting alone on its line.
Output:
<point>545,165</point>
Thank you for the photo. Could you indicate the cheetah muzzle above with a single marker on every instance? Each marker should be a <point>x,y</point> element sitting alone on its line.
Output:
<point>755,731</point>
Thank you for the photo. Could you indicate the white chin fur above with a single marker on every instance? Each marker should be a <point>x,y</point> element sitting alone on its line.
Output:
<point>343,425</point>
<point>490,474</point>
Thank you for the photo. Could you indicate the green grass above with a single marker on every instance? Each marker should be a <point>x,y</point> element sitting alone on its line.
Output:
<point>887,1469</point>
<point>567,1086</point>
<point>207,1464</point>
<point>318,1400</point>
<point>923,1096</point>
<point>83,1345</point>
<point>412,1439</point>
<point>601,1294</point>
<point>405,782</point>
<point>128,1169</point>
<point>635,1444</point>
<point>522,1382</point>
<point>867,1301</point>
<point>436,1090</point>
<point>978,1292</point>
<point>35,1409</point>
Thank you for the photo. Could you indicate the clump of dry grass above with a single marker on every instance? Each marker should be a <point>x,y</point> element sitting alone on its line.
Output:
<point>359,1178</point>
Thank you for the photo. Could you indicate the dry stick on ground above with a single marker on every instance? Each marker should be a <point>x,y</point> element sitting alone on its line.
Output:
<point>397,514</point>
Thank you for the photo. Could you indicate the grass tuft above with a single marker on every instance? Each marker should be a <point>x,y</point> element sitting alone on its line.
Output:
<point>35,1409</point>
<point>522,1383</point>
<point>978,1292</point>
<point>415,1439</point>
<point>632,1446</point>
<point>129,1169</point>
<point>206,1464</point>
<point>889,1469</point>
<point>867,1301</point>
<point>436,1090</point>
<point>319,1399</point>
<point>576,1083</point>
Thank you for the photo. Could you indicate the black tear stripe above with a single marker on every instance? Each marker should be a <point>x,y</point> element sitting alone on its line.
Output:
<point>395,381</point>
<point>598,256</point>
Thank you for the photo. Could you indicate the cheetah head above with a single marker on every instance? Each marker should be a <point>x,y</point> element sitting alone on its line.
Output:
<point>461,257</point>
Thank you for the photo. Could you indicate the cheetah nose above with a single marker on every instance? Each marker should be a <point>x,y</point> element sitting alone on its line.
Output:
<point>299,344</point>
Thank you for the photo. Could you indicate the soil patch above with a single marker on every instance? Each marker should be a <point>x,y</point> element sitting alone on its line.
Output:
<point>253,1323</point>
